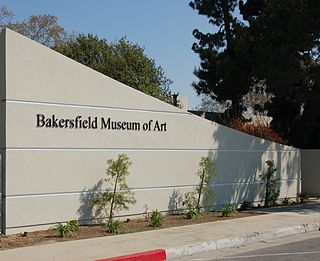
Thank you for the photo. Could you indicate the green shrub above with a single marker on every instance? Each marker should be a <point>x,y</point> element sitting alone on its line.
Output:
<point>190,204</point>
<point>156,219</point>
<point>228,210</point>
<point>63,230</point>
<point>245,205</point>
<point>286,201</point>
<point>206,173</point>
<point>302,197</point>
<point>73,225</point>
<point>112,226</point>
<point>203,195</point>
<point>272,185</point>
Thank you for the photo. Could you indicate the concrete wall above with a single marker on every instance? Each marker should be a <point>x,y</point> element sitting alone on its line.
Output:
<point>53,173</point>
<point>310,171</point>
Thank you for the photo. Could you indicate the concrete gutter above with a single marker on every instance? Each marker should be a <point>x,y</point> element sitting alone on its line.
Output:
<point>228,242</point>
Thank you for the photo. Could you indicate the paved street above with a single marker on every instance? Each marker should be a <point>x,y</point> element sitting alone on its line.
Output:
<point>299,247</point>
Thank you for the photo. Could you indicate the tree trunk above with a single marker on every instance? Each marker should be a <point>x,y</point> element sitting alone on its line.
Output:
<point>113,196</point>
<point>226,19</point>
<point>200,190</point>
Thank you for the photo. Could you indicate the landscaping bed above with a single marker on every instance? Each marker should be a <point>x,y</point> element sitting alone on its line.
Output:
<point>129,226</point>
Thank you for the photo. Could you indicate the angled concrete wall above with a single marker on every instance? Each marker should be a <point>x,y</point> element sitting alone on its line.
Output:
<point>52,172</point>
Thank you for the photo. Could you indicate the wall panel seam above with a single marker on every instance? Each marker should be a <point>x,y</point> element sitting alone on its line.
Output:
<point>53,194</point>
<point>139,149</point>
<point>99,107</point>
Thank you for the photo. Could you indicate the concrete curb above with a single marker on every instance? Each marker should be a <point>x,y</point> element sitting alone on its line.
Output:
<point>215,245</point>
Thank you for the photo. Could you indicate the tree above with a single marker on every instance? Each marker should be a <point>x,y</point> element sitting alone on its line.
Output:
<point>122,61</point>
<point>277,44</point>
<point>5,15</point>
<point>41,28</point>
<point>225,61</point>
<point>119,195</point>
<point>211,105</point>
<point>286,40</point>
<point>272,184</point>
<point>206,173</point>
<point>202,196</point>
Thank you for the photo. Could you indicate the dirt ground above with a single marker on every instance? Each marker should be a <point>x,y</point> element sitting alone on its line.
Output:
<point>129,226</point>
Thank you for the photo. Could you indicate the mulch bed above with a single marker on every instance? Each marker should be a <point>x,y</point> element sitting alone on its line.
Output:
<point>92,231</point>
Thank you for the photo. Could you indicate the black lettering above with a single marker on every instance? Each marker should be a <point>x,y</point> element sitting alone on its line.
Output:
<point>54,123</point>
<point>94,124</point>
<point>118,125</point>
<point>85,124</point>
<point>48,123</point>
<point>62,123</point>
<point>71,124</point>
<point>156,126</point>
<point>40,120</point>
<point>164,126</point>
<point>104,124</point>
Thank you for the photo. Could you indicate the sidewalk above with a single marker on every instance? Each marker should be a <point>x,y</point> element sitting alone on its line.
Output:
<point>180,241</point>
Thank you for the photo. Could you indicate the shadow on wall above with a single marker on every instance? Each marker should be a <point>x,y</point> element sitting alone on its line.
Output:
<point>85,211</point>
<point>175,202</point>
<point>240,159</point>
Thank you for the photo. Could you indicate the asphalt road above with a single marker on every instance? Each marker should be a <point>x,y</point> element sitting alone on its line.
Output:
<point>299,247</point>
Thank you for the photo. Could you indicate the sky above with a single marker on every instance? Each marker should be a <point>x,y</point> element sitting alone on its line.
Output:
<point>163,27</point>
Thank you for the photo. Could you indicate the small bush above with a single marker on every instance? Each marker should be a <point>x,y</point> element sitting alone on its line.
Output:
<point>73,225</point>
<point>63,230</point>
<point>302,197</point>
<point>260,130</point>
<point>286,201</point>
<point>190,204</point>
<point>245,205</point>
<point>112,226</point>
<point>156,219</point>
<point>228,210</point>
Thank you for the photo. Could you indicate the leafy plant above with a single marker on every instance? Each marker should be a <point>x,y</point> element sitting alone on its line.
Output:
<point>272,185</point>
<point>190,204</point>
<point>259,130</point>
<point>156,219</point>
<point>302,197</point>
<point>192,200</point>
<point>64,230</point>
<point>286,201</point>
<point>73,225</point>
<point>206,173</point>
<point>119,197</point>
<point>245,205</point>
<point>112,226</point>
<point>228,210</point>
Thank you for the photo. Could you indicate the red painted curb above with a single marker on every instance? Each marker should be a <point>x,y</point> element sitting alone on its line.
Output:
<point>153,255</point>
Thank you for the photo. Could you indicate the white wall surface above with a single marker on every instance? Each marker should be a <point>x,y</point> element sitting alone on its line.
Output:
<point>52,173</point>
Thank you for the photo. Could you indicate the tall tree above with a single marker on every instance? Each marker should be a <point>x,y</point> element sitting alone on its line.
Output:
<point>225,61</point>
<point>122,61</point>
<point>286,36</point>
<point>5,15</point>
<point>41,28</point>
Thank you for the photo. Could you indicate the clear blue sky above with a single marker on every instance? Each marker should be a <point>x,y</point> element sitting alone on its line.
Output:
<point>163,27</point>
